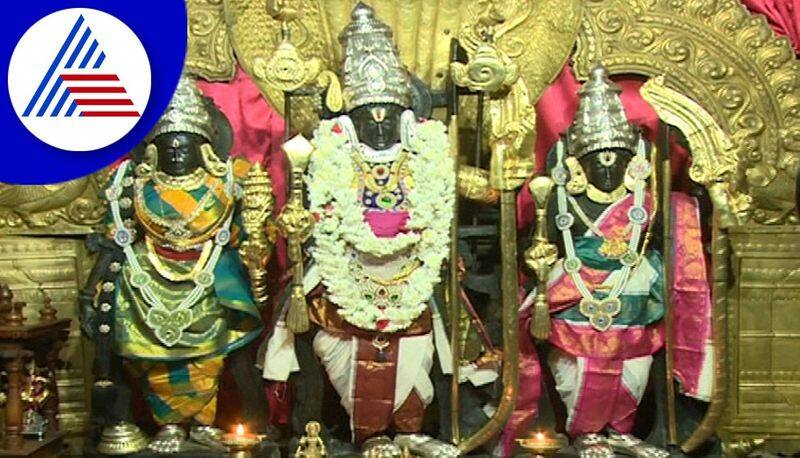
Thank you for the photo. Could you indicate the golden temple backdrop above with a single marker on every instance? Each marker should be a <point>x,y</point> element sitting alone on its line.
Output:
<point>728,83</point>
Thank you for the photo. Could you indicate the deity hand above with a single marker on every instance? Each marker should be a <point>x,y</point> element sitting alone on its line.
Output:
<point>473,184</point>
<point>540,257</point>
<point>512,138</point>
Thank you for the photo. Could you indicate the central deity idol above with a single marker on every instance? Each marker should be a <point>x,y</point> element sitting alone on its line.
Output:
<point>381,185</point>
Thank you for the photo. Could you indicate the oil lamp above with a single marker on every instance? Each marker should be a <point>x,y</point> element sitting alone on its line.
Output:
<point>240,442</point>
<point>541,445</point>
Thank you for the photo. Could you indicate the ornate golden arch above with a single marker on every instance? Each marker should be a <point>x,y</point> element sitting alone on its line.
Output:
<point>728,61</point>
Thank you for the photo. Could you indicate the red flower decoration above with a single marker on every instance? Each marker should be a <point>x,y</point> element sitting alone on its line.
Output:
<point>337,129</point>
<point>382,324</point>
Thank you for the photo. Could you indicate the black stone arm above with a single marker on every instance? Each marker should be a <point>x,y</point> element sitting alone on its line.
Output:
<point>97,299</point>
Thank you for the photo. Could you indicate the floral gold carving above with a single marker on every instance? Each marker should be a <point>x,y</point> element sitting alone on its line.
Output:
<point>69,207</point>
<point>209,53</point>
<point>729,62</point>
<point>487,70</point>
<point>537,35</point>
<point>714,158</point>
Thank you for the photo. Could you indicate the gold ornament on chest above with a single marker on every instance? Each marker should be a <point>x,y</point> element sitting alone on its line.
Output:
<point>614,247</point>
<point>383,180</point>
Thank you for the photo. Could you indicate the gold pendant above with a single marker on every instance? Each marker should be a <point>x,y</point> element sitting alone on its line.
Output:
<point>613,248</point>
<point>602,197</point>
<point>386,200</point>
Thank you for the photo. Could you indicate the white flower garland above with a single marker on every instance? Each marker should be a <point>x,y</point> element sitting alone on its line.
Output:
<point>341,226</point>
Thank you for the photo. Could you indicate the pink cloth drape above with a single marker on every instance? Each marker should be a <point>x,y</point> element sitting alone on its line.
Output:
<point>691,294</point>
<point>257,134</point>
<point>387,224</point>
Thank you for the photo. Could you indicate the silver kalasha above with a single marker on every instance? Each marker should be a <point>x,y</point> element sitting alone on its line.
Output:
<point>600,122</point>
<point>371,72</point>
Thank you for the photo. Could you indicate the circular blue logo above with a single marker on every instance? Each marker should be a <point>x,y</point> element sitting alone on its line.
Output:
<point>86,83</point>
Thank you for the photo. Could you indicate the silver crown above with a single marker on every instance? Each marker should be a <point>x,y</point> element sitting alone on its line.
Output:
<point>187,112</point>
<point>372,72</point>
<point>600,122</point>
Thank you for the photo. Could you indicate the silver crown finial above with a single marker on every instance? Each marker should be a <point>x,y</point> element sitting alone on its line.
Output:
<point>371,71</point>
<point>600,122</point>
<point>187,112</point>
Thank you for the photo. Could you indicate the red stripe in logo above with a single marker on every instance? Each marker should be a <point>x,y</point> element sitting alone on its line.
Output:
<point>110,114</point>
<point>116,102</point>
<point>96,90</point>
<point>73,77</point>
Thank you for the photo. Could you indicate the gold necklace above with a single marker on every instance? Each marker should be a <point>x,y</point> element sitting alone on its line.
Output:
<point>602,197</point>
<point>171,275</point>
<point>188,182</point>
<point>398,279</point>
<point>370,181</point>
<point>384,194</point>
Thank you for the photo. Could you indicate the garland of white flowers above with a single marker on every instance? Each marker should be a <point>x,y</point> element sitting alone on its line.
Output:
<point>341,225</point>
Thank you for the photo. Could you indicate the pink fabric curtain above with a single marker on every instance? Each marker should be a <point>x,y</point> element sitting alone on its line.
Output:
<point>257,134</point>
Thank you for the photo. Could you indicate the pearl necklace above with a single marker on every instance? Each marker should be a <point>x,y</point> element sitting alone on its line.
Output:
<point>167,324</point>
<point>601,312</point>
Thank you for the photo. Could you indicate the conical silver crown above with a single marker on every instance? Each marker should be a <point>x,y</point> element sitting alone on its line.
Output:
<point>186,112</point>
<point>371,72</point>
<point>600,122</point>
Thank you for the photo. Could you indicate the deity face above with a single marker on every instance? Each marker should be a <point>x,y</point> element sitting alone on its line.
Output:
<point>605,169</point>
<point>378,125</point>
<point>179,153</point>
